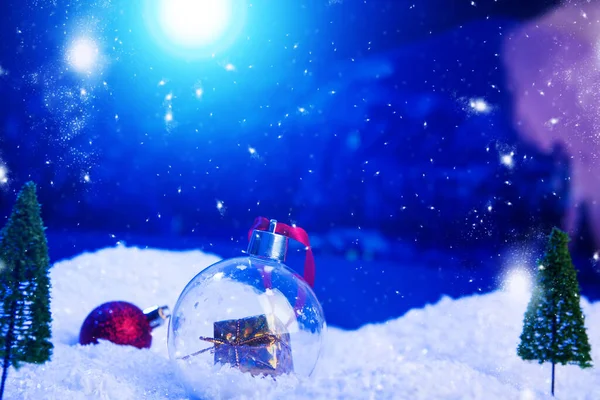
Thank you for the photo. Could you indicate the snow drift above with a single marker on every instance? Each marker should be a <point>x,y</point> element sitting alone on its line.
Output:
<point>455,349</point>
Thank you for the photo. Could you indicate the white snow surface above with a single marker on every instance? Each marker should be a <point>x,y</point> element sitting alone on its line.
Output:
<point>456,349</point>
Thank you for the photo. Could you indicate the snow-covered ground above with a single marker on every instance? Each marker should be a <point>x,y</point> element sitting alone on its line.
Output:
<point>456,349</point>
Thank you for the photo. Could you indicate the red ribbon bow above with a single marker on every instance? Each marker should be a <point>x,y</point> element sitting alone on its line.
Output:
<point>295,233</point>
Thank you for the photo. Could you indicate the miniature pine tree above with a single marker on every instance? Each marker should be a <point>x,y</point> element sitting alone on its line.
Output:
<point>25,317</point>
<point>553,328</point>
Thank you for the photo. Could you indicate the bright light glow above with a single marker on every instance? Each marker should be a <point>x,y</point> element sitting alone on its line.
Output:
<point>221,207</point>
<point>479,105</point>
<point>507,160</point>
<point>518,284</point>
<point>199,93</point>
<point>169,116</point>
<point>195,23</point>
<point>83,55</point>
<point>3,174</point>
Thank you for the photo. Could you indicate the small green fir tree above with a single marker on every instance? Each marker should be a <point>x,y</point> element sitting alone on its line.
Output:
<point>25,316</point>
<point>553,328</point>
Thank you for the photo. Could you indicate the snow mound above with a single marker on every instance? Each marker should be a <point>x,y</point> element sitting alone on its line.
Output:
<point>455,349</point>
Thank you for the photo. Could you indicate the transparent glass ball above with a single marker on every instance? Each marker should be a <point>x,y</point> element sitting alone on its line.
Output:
<point>235,290</point>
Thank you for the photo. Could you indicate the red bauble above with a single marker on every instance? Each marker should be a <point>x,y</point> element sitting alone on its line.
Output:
<point>118,322</point>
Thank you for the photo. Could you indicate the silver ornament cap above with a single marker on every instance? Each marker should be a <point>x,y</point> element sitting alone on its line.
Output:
<point>268,244</point>
<point>156,315</point>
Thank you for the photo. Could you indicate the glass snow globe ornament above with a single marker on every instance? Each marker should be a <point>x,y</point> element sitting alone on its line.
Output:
<point>246,317</point>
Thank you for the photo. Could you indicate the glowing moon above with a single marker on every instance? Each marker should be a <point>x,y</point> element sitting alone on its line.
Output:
<point>195,23</point>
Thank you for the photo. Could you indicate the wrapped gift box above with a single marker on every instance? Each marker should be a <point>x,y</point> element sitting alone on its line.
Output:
<point>258,344</point>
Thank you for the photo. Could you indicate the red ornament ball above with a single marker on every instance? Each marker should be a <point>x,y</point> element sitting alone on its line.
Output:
<point>118,322</point>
